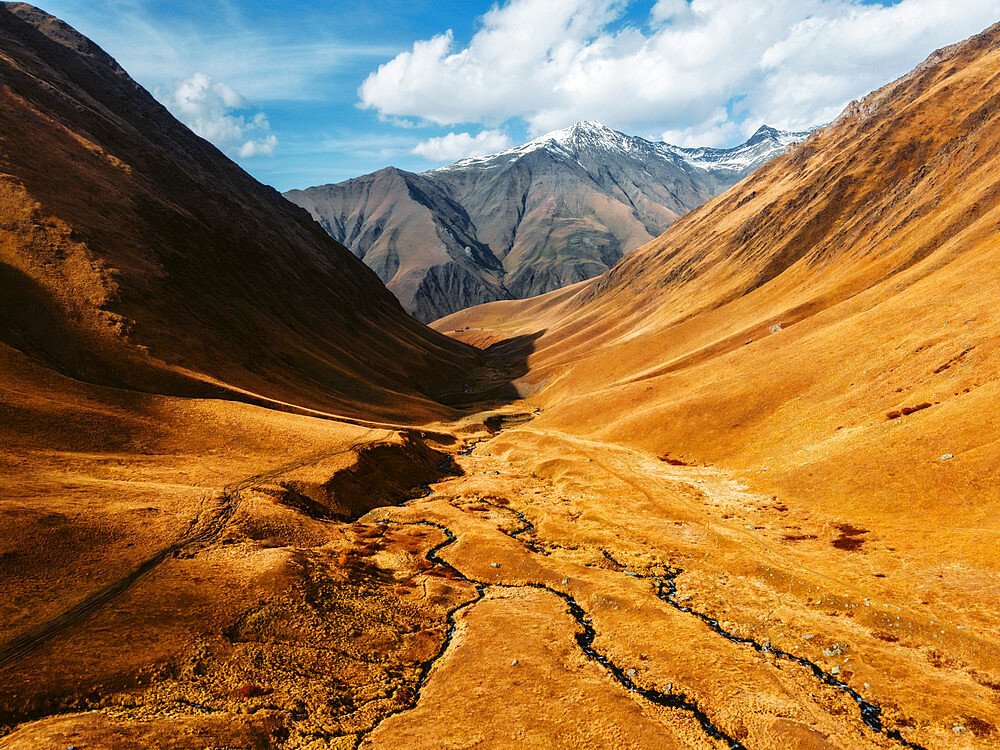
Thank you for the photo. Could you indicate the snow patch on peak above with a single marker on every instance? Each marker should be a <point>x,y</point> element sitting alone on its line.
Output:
<point>587,135</point>
<point>761,147</point>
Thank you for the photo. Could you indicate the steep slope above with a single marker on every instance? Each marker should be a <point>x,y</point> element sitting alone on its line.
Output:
<point>825,335</point>
<point>154,299</point>
<point>559,209</point>
<point>167,268</point>
<point>836,235</point>
<point>409,230</point>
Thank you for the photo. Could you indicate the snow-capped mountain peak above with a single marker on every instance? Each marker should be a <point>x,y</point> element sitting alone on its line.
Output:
<point>587,131</point>
<point>587,135</point>
<point>596,139</point>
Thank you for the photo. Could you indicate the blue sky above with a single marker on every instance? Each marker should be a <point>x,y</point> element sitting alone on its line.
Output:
<point>304,93</point>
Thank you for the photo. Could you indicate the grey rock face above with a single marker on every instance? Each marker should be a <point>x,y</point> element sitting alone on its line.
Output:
<point>559,209</point>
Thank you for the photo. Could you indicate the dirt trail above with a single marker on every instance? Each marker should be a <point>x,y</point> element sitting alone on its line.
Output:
<point>204,532</point>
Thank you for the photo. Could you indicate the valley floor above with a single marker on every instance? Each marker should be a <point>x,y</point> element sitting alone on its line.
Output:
<point>550,591</point>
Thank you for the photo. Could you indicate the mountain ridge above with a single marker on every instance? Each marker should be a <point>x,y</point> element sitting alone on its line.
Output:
<point>556,210</point>
<point>170,269</point>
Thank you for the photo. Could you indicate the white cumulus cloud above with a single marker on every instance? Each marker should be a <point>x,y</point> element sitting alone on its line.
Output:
<point>789,63</point>
<point>455,146</point>
<point>218,113</point>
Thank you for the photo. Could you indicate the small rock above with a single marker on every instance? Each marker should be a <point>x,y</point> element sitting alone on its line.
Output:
<point>867,686</point>
<point>776,327</point>
<point>808,637</point>
<point>514,663</point>
<point>495,565</point>
<point>835,650</point>
<point>946,457</point>
<point>751,527</point>
<point>958,730</point>
<point>668,687</point>
<point>565,581</point>
<point>630,672</point>
<point>835,670</point>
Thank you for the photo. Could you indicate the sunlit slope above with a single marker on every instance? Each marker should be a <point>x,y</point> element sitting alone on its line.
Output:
<point>133,253</point>
<point>874,245</point>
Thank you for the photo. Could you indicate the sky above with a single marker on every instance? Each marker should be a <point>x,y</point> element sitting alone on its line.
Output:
<point>309,92</point>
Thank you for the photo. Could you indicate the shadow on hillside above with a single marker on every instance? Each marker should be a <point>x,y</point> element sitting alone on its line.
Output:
<point>505,362</point>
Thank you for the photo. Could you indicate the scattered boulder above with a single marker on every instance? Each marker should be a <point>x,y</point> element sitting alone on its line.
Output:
<point>905,411</point>
<point>776,327</point>
<point>946,457</point>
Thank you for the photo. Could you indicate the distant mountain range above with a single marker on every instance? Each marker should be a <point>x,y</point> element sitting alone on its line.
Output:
<point>559,209</point>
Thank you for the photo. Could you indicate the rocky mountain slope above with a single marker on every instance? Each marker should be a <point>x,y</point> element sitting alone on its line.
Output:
<point>166,267</point>
<point>559,209</point>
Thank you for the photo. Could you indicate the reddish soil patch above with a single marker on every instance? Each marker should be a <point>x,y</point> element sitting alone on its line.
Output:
<point>978,726</point>
<point>667,458</point>
<point>849,537</point>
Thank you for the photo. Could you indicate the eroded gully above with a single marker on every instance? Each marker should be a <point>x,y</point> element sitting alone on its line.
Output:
<point>584,639</point>
<point>666,590</point>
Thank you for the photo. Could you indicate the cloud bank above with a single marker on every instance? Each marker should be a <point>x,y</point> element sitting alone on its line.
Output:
<point>696,70</point>
<point>455,146</point>
<point>218,113</point>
